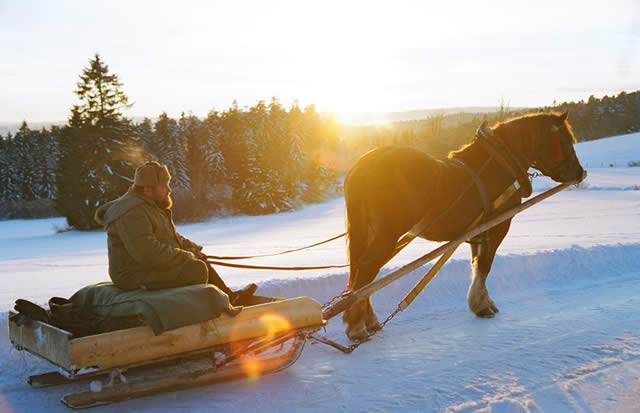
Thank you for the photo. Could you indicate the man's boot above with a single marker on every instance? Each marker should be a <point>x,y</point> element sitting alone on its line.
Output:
<point>238,297</point>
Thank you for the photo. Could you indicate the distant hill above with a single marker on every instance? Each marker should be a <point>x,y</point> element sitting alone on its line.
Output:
<point>370,118</point>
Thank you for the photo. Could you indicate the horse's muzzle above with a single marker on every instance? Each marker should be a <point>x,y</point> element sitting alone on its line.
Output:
<point>575,171</point>
<point>584,176</point>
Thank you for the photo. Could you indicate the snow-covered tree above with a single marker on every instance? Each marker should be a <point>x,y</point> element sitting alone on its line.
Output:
<point>97,145</point>
<point>171,151</point>
<point>9,189</point>
<point>211,167</point>
<point>25,149</point>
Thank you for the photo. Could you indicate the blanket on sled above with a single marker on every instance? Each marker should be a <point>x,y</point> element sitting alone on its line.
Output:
<point>162,309</point>
<point>103,307</point>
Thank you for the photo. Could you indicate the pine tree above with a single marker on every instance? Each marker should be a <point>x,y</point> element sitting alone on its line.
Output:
<point>237,144</point>
<point>4,168</point>
<point>97,148</point>
<point>171,151</point>
<point>143,132</point>
<point>26,168</point>
<point>259,192</point>
<point>205,160</point>
<point>11,173</point>
<point>48,148</point>
<point>296,137</point>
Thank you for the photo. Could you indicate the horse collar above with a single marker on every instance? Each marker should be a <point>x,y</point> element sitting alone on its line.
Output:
<point>475,178</point>
<point>511,161</point>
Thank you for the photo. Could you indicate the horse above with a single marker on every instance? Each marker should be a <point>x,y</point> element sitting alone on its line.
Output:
<point>392,191</point>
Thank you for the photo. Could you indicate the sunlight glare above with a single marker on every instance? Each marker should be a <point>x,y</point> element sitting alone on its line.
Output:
<point>270,326</point>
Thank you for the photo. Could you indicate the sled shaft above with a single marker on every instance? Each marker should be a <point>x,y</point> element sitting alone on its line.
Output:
<point>366,291</point>
<point>430,275</point>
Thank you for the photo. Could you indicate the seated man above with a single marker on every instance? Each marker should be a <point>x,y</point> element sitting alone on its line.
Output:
<point>145,249</point>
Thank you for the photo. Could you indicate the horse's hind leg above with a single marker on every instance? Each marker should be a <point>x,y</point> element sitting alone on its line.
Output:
<point>482,255</point>
<point>361,317</point>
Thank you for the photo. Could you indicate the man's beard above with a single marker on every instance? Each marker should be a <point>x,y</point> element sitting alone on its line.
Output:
<point>164,203</point>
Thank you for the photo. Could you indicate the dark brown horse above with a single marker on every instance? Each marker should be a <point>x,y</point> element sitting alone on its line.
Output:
<point>391,191</point>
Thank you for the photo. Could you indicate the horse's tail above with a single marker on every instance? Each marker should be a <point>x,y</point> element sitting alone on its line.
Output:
<point>357,228</point>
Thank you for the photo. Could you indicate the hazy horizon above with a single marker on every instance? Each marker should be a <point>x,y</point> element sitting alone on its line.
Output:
<point>344,57</point>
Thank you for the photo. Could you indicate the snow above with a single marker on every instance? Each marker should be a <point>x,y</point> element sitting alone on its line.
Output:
<point>566,280</point>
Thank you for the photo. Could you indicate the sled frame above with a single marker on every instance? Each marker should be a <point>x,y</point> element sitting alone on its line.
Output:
<point>200,370</point>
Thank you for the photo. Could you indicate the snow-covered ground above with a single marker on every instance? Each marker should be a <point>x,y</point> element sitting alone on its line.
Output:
<point>566,279</point>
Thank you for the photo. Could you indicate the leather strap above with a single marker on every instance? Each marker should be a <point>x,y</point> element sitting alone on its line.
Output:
<point>486,204</point>
<point>507,158</point>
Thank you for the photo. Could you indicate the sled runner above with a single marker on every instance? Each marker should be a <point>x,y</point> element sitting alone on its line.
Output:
<point>262,338</point>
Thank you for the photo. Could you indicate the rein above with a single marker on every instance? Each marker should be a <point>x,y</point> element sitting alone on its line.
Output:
<point>215,257</point>
<point>267,267</point>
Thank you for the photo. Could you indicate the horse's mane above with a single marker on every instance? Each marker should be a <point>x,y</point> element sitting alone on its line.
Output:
<point>516,125</point>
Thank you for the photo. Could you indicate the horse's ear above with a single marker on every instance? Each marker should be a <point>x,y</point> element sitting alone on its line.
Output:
<point>484,129</point>
<point>564,115</point>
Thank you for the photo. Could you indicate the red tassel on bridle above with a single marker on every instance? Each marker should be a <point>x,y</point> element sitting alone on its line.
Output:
<point>557,154</point>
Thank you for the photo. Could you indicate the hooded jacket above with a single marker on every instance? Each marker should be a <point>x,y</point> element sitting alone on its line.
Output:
<point>142,240</point>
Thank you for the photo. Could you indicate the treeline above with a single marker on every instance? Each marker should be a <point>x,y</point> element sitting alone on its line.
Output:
<point>440,133</point>
<point>256,160</point>
<point>601,117</point>
<point>28,162</point>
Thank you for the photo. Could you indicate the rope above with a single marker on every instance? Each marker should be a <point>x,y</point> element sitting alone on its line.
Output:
<point>215,257</point>
<point>268,267</point>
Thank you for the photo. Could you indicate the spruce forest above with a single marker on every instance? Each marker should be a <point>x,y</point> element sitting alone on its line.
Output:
<point>257,160</point>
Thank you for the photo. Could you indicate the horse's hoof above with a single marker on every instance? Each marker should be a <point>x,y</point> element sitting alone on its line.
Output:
<point>486,313</point>
<point>374,328</point>
<point>371,323</point>
<point>494,308</point>
<point>357,332</point>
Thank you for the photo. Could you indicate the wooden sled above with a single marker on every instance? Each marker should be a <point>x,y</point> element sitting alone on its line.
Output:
<point>263,338</point>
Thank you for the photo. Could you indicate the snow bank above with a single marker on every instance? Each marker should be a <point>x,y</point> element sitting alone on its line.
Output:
<point>511,275</point>
<point>616,151</point>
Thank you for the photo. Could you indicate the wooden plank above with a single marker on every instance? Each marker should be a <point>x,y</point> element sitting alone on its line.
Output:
<point>131,346</point>
<point>43,340</point>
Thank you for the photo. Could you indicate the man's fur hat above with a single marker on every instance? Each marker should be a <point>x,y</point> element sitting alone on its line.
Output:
<point>152,174</point>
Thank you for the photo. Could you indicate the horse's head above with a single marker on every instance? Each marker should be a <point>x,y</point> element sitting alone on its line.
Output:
<point>554,154</point>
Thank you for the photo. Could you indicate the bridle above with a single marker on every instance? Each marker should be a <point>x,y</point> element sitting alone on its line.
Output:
<point>560,156</point>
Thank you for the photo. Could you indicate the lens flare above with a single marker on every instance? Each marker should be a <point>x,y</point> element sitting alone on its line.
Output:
<point>268,327</point>
<point>253,368</point>
<point>5,405</point>
<point>275,325</point>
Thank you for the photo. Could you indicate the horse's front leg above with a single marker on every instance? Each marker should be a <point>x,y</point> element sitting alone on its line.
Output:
<point>482,255</point>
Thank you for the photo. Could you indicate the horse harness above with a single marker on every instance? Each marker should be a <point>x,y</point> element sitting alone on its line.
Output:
<point>509,160</point>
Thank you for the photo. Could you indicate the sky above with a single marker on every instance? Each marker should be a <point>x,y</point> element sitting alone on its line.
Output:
<point>342,56</point>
